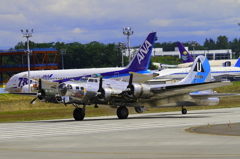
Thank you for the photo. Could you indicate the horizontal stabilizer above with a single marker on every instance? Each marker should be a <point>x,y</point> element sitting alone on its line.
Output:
<point>206,95</point>
<point>31,94</point>
<point>174,90</point>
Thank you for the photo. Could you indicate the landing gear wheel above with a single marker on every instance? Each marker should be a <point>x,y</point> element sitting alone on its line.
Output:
<point>122,113</point>
<point>78,114</point>
<point>184,111</point>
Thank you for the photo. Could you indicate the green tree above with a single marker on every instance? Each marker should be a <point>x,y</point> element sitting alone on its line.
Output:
<point>222,42</point>
<point>235,46</point>
<point>210,44</point>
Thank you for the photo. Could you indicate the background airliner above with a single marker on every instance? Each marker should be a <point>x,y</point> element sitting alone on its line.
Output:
<point>218,73</point>
<point>187,59</point>
<point>139,65</point>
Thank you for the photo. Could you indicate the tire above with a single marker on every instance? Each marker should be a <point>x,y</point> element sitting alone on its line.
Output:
<point>78,114</point>
<point>122,113</point>
<point>184,111</point>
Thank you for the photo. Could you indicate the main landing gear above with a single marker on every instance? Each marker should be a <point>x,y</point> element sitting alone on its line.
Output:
<point>79,113</point>
<point>122,112</point>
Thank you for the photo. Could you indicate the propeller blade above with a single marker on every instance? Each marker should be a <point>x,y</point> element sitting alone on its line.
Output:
<point>100,84</point>
<point>32,102</point>
<point>39,84</point>
<point>130,80</point>
<point>130,88</point>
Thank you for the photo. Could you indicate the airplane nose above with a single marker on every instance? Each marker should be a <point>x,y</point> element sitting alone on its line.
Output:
<point>62,89</point>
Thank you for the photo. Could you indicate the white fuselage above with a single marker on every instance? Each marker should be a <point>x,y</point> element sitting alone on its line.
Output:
<point>19,82</point>
<point>180,73</point>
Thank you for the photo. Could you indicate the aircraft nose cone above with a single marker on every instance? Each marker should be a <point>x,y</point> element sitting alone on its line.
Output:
<point>62,89</point>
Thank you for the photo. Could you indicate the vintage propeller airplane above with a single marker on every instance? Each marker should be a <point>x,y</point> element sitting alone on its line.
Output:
<point>93,91</point>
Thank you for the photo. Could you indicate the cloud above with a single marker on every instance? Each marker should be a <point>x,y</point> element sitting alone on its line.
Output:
<point>94,20</point>
<point>161,22</point>
<point>77,30</point>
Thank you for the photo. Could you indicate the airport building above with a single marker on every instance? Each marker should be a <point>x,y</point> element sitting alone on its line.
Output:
<point>210,54</point>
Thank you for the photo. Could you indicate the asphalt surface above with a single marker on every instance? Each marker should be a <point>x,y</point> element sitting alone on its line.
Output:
<point>228,129</point>
<point>141,136</point>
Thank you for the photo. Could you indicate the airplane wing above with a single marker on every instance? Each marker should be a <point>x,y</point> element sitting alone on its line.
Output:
<point>144,77</point>
<point>174,90</point>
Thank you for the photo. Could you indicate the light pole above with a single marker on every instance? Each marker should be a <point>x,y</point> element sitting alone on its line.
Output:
<point>121,47</point>
<point>128,31</point>
<point>63,52</point>
<point>193,44</point>
<point>28,52</point>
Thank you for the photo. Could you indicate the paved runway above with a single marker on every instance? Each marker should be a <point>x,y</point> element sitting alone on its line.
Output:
<point>158,135</point>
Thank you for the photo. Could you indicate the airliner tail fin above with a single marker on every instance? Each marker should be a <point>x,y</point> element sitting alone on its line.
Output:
<point>200,72</point>
<point>142,58</point>
<point>185,56</point>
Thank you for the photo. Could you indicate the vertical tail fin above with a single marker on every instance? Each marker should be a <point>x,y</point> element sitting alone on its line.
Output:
<point>199,73</point>
<point>237,64</point>
<point>186,57</point>
<point>142,58</point>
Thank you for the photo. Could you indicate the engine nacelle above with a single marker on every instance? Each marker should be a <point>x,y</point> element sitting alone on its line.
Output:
<point>139,91</point>
<point>107,93</point>
<point>140,109</point>
<point>62,89</point>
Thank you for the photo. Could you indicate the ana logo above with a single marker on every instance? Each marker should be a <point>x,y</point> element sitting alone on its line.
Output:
<point>143,51</point>
<point>46,77</point>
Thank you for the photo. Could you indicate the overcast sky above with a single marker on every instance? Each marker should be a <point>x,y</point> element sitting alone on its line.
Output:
<point>84,21</point>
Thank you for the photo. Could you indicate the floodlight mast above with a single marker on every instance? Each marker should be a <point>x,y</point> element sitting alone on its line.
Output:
<point>63,52</point>
<point>121,47</point>
<point>128,31</point>
<point>28,52</point>
<point>193,44</point>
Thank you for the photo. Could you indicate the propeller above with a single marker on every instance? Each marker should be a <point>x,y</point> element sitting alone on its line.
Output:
<point>41,93</point>
<point>100,89</point>
<point>130,88</point>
